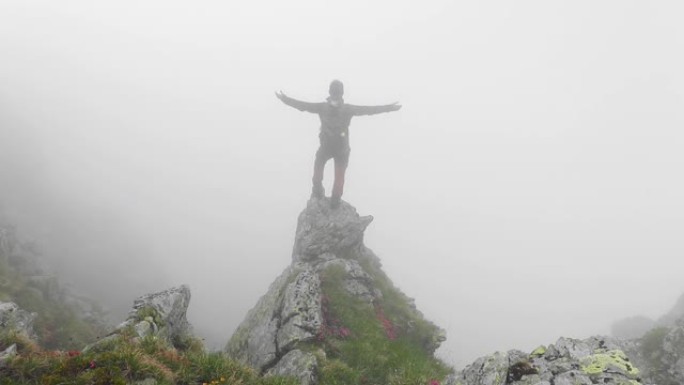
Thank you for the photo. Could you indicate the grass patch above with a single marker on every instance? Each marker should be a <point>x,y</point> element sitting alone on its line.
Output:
<point>126,361</point>
<point>381,343</point>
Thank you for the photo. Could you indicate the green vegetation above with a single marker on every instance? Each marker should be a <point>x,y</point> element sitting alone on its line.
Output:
<point>125,360</point>
<point>387,342</point>
<point>652,351</point>
<point>652,342</point>
<point>149,312</point>
<point>58,325</point>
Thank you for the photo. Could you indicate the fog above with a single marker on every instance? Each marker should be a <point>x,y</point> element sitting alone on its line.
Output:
<point>529,188</point>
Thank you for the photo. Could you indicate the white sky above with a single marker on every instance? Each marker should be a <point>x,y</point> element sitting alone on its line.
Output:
<point>528,189</point>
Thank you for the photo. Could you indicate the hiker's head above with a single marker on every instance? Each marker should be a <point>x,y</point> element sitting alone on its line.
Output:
<point>336,89</point>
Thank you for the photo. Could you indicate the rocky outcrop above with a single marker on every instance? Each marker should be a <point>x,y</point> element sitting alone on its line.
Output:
<point>280,334</point>
<point>15,320</point>
<point>656,347</point>
<point>659,354</point>
<point>597,360</point>
<point>161,314</point>
<point>67,319</point>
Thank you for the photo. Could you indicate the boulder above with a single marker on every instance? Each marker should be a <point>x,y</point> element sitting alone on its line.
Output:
<point>14,319</point>
<point>161,314</point>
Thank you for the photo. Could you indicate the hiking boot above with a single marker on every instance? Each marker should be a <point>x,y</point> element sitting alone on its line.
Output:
<point>317,191</point>
<point>335,202</point>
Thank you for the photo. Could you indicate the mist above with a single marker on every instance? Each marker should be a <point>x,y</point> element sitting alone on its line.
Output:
<point>526,190</point>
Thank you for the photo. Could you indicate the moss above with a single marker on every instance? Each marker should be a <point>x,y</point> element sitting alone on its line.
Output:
<point>150,312</point>
<point>613,359</point>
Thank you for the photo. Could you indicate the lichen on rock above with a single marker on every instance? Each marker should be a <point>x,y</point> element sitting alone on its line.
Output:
<point>567,362</point>
<point>611,361</point>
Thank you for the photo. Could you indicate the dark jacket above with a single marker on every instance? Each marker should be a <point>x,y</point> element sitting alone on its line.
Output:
<point>335,119</point>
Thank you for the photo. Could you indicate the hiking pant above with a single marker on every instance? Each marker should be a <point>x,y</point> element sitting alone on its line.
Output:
<point>341,156</point>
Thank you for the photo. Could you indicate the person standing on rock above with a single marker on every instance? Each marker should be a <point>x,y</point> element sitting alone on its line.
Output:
<point>335,117</point>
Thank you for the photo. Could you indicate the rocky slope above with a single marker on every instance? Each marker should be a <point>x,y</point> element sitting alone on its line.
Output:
<point>332,307</point>
<point>659,354</point>
<point>596,360</point>
<point>152,347</point>
<point>159,315</point>
<point>63,319</point>
<point>656,347</point>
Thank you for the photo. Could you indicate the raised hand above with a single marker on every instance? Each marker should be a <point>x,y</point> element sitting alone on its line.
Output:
<point>280,95</point>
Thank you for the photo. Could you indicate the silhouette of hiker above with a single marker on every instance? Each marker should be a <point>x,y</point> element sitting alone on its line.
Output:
<point>335,117</point>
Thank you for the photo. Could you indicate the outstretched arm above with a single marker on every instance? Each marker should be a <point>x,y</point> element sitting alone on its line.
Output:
<point>372,110</point>
<point>298,104</point>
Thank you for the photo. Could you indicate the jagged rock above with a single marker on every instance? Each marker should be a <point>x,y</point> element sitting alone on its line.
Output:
<point>296,364</point>
<point>291,313</point>
<point>166,311</point>
<point>323,230</point>
<point>161,314</point>
<point>300,317</point>
<point>490,370</point>
<point>567,362</point>
<point>14,319</point>
<point>254,342</point>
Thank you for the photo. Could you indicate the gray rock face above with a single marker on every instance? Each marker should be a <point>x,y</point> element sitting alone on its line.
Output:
<point>290,314</point>
<point>322,230</point>
<point>596,360</point>
<point>14,319</point>
<point>296,363</point>
<point>165,312</point>
<point>161,314</point>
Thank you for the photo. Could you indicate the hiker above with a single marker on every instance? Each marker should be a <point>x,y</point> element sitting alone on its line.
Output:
<point>335,117</point>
